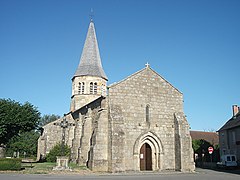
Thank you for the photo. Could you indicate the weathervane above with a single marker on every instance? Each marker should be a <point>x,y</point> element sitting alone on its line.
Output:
<point>91,14</point>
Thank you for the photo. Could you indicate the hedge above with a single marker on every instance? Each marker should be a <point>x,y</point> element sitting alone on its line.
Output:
<point>10,164</point>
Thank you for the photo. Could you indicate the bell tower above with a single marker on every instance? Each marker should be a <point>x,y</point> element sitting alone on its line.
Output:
<point>89,81</point>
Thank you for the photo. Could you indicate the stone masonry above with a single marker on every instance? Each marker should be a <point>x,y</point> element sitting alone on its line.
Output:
<point>137,124</point>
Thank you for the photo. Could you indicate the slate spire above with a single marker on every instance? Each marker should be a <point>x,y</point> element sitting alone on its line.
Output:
<point>90,62</point>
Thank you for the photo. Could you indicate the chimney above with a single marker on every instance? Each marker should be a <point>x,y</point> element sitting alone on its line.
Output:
<point>235,109</point>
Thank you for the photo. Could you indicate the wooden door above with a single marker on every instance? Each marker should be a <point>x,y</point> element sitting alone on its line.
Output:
<point>145,158</point>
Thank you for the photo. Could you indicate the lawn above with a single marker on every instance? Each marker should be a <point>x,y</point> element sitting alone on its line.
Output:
<point>46,168</point>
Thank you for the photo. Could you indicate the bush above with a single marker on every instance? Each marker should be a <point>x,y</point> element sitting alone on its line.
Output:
<point>57,151</point>
<point>10,164</point>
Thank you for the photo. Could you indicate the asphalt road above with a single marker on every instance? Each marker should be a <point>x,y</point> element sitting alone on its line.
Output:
<point>201,174</point>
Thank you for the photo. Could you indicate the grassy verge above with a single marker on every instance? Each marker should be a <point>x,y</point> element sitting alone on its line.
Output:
<point>38,168</point>
<point>46,168</point>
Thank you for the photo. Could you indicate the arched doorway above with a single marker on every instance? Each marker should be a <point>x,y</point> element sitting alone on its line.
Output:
<point>146,157</point>
<point>154,147</point>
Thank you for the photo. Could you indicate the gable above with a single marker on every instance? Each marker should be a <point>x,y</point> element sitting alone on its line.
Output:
<point>146,77</point>
<point>146,88</point>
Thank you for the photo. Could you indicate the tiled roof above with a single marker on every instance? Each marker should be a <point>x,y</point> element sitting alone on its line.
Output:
<point>211,137</point>
<point>90,62</point>
<point>231,123</point>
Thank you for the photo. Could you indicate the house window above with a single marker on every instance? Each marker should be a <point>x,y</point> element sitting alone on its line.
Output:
<point>95,88</point>
<point>91,88</point>
<point>224,151</point>
<point>147,113</point>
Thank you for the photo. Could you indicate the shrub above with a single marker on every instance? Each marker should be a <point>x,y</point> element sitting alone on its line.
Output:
<point>10,164</point>
<point>57,151</point>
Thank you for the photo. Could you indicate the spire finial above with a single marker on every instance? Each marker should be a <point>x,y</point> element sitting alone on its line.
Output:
<point>91,15</point>
<point>147,65</point>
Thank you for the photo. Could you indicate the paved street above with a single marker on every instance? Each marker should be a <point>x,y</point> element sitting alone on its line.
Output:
<point>201,174</point>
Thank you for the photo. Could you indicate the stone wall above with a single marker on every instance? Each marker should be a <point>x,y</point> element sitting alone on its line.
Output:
<point>109,132</point>
<point>128,100</point>
<point>90,143</point>
<point>80,99</point>
<point>99,141</point>
<point>185,159</point>
<point>52,134</point>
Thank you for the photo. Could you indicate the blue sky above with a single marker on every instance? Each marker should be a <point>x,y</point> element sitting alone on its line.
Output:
<point>194,44</point>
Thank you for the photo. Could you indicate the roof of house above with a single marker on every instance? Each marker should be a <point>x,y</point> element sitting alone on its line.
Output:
<point>231,123</point>
<point>90,62</point>
<point>211,137</point>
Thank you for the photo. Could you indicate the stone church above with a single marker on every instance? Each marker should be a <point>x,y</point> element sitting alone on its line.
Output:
<point>136,124</point>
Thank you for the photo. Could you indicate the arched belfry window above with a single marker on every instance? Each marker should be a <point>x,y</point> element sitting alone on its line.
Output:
<point>81,87</point>
<point>147,113</point>
<point>103,89</point>
<point>95,88</point>
<point>91,87</point>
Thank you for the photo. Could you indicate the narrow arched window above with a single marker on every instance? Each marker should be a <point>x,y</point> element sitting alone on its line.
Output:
<point>79,88</point>
<point>95,88</point>
<point>83,87</point>
<point>147,113</point>
<point>103,90</point>
<point>91,88</point>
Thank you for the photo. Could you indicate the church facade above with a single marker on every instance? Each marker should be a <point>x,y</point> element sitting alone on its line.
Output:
<point>137,124</point>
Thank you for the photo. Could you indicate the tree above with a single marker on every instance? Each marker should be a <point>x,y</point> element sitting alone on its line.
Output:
<point>16,118</point>
<point>47,119</point>
<point>200,147</point>
<point>196,144</point>
<point>24,142</point>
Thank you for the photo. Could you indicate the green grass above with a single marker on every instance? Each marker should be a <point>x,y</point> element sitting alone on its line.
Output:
<point>10,164</point>
<point>46,167</point>
<point>38,168</point>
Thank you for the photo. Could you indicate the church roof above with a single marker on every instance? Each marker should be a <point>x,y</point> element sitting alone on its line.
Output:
<point>90,62</point>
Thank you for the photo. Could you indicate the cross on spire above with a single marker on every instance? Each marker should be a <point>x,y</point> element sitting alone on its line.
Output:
<point>147,65</point>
